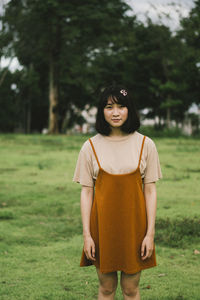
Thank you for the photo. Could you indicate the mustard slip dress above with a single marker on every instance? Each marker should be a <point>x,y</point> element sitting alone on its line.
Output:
<point>118,222</point>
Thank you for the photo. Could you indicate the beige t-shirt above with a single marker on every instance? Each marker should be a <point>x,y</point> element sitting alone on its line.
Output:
<point>117,156</point>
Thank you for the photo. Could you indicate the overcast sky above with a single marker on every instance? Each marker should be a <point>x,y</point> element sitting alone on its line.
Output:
<point>140,8</point>
<point>162,7</point>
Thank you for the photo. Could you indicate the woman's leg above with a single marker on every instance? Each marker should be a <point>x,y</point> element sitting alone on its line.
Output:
<point>107,285</point>
<point>130,285</point>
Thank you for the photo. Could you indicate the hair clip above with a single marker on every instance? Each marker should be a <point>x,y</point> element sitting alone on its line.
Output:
<point>124,92</point>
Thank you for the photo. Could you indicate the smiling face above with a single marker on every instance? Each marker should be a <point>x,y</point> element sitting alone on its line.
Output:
<point>115,114</point>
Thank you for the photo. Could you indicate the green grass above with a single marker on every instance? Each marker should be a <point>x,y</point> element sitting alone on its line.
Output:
<point>40,224</point>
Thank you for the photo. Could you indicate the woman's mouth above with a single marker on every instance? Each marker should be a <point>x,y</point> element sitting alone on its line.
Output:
<point>115,120</point>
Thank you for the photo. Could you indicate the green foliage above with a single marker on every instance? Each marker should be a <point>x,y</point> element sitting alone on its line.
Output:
<point>178,232</point>
<point>89,46</point>
<point>154,131</point>
<point>8,111</point>
<point>62,36</point>
<point>188,34</point>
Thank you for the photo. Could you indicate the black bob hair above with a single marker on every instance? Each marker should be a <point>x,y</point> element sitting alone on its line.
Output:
<point>131,124</point>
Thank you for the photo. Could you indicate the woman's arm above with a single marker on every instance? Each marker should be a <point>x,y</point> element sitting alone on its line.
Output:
<point>86,205</point>
<point>151,204</point>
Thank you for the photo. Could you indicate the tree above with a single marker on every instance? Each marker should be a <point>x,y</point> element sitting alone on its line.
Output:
<point>189,34</point>
<point>152,69</point>
<point>55,34</point>
<point>70,51</point>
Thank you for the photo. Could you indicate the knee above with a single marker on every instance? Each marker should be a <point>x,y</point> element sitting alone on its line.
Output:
<point>108,288</point>
<point>130,284</point>
<point>130,291</point>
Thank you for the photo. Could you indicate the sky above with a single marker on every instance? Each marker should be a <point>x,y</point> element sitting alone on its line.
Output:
<point>152,8</point>
<point>140,8</point>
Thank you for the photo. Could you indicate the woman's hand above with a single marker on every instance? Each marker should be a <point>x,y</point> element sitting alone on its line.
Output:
<point>89,248</point>
<point>86,205</point>
<point>147,247</point>
<point>151,202</point>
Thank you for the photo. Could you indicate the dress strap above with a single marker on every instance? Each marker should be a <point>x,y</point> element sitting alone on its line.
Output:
<point>95,153</point>
<point>141,151</point>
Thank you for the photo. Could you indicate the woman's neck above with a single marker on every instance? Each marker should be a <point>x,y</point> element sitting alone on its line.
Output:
<point>116,132</point>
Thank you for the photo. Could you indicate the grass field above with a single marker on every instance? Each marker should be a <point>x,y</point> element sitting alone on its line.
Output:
<point>40,224</point>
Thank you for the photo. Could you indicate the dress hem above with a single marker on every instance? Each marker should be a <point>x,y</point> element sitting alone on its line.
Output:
<point>121,269</point>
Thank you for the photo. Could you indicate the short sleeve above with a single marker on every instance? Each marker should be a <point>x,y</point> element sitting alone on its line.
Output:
<point>83,172</point>
<point>152,171</point>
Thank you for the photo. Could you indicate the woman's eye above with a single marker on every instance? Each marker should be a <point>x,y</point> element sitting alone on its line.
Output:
<point>119,106</point>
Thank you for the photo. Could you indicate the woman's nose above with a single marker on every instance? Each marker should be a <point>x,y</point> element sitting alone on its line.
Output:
<point>115,111</point>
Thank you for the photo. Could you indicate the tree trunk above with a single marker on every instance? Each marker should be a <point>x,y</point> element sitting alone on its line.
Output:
<point>53,100</point>
<point>168,117</point>
<point>5,72</point>
<point>28,128</point>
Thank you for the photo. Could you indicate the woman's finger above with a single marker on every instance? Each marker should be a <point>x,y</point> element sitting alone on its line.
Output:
<point>90,254</point>
<point>93,251</point>
<point>142,249</point>
<point>146,255</point>
<point>150,252</point>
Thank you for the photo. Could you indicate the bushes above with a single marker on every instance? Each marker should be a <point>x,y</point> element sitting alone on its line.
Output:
<point>177,233</point>
<point>175,132</point>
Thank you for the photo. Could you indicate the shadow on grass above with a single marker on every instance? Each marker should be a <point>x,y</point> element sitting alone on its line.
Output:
<point>178,232</point>
<point>6,215</point>
<point>179,297</point>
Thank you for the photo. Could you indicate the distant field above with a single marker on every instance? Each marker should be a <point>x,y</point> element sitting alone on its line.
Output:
<point>40,223</point>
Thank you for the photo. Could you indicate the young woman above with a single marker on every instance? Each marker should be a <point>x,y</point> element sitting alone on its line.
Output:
<point>118,168</point>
